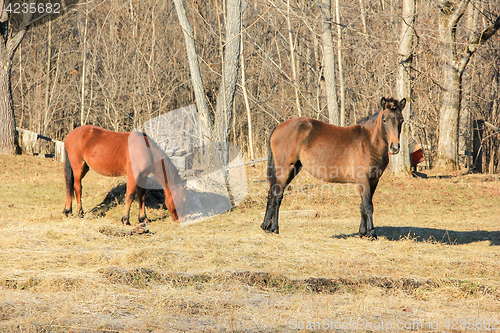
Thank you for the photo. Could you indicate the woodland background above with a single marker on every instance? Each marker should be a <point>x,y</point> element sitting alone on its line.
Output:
<point>118,63</point>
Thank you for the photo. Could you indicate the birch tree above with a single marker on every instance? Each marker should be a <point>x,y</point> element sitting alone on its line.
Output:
<point>454,64</point>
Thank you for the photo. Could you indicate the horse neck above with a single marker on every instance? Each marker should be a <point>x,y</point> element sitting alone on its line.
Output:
<point>378,138</point>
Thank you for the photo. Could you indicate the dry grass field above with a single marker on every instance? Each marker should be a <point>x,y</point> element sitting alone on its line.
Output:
<point>435,266</point>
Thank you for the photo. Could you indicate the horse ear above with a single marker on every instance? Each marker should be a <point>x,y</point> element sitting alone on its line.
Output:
<point>382,103</point>
<point>402,103</point>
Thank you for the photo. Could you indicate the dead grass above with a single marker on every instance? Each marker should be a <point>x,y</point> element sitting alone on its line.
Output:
<point>436,258</point>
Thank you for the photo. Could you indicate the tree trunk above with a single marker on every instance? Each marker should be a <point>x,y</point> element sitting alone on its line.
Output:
<point>225,97</point>
<point>8,138</point>
<point>363,17</point>
<point>452,84</point>
<point>401,163</point>
<point>453,68</point>
<point>84,66</point>
<point>448,118</point>
<point>329,64</point>
<point>341,70</point>
<point>194,67</point>
<point>9,42</point>
<point>247,104</point>
<point>293,65</point>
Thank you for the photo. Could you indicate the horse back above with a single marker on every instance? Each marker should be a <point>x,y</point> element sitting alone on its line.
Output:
<point>106,152</point>
<point>328,152</point>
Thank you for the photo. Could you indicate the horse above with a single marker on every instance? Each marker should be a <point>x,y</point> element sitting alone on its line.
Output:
<point>354,154</point>
<point>132,154</point>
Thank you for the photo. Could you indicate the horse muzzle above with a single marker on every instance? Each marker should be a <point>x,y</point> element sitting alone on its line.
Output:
<point>394,148</point>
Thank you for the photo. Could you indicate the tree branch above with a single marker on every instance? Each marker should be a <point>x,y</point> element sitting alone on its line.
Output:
<point>14,42</point>
<point>478,40</point>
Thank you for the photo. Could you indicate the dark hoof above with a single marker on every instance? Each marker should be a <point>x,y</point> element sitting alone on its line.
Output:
<point>270,229</point>
<point>372,234</point>
<point>125,220</point>
<point>80,213</point>
<point>67,212</point>
<point>143,219</point>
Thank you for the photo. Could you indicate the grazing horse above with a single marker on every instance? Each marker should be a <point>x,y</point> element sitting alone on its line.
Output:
<point>355,154</point>
<point>131,154</point>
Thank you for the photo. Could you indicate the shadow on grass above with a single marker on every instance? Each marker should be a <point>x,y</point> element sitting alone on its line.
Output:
<point>432,235</point>
<point>201,205</point>
<point>155,199</point>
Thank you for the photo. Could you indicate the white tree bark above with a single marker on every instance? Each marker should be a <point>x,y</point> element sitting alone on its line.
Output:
<point>194,67</point>
<point>231,54</point>
<point>401,163</point>
<point>247,104</point>
<point>84,66</point>
<point>329,63</point>
<point>293,65</point>
<point>341,67</point>
<point>363,17</point>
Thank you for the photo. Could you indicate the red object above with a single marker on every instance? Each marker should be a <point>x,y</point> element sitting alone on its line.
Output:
<point>417,155</point>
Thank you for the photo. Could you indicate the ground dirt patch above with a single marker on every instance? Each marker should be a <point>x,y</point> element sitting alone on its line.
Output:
<point>436,260</point>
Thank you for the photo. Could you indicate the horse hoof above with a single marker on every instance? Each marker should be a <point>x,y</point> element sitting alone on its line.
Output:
<point>143,220</point>
<point>125,221</point>
<point>372,234</point>
<point>66,212</point>
<point>269,229</point>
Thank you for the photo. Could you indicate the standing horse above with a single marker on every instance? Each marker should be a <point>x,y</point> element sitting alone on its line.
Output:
<point>355,154</point>
<point>131,154</point>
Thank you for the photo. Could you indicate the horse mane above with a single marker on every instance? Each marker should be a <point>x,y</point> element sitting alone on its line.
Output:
<point>174,172</point>
<point>368,119</point>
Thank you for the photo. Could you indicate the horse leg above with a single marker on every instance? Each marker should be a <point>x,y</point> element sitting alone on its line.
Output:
<point>275,196</point>
<point>369,211</point>
<point>70,184</point>
<point>366,227</point>
<point>362,225</point>
<point>141,197</point>
<point>129,197</point>
<point>82,168</point>
<point>169,202</point>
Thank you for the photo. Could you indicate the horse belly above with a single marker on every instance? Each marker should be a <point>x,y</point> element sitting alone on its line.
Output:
<point>102,162</point>
<point>332,173</point>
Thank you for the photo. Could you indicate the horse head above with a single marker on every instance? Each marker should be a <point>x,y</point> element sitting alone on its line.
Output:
<point>392,121</point>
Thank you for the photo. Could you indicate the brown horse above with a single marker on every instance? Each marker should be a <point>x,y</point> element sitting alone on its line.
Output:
<point>131,154</point>
<point>355,154</point>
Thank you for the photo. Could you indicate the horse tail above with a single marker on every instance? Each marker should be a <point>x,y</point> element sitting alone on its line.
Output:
<point>68,174</point>
<point>271,167</point>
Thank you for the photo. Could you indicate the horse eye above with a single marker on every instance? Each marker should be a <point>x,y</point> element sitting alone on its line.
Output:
<point>384,121</point>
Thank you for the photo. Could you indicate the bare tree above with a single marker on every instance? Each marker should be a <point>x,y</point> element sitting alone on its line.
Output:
<point>400,163</point>
<point>9,43</point>
<point>454,64</point>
